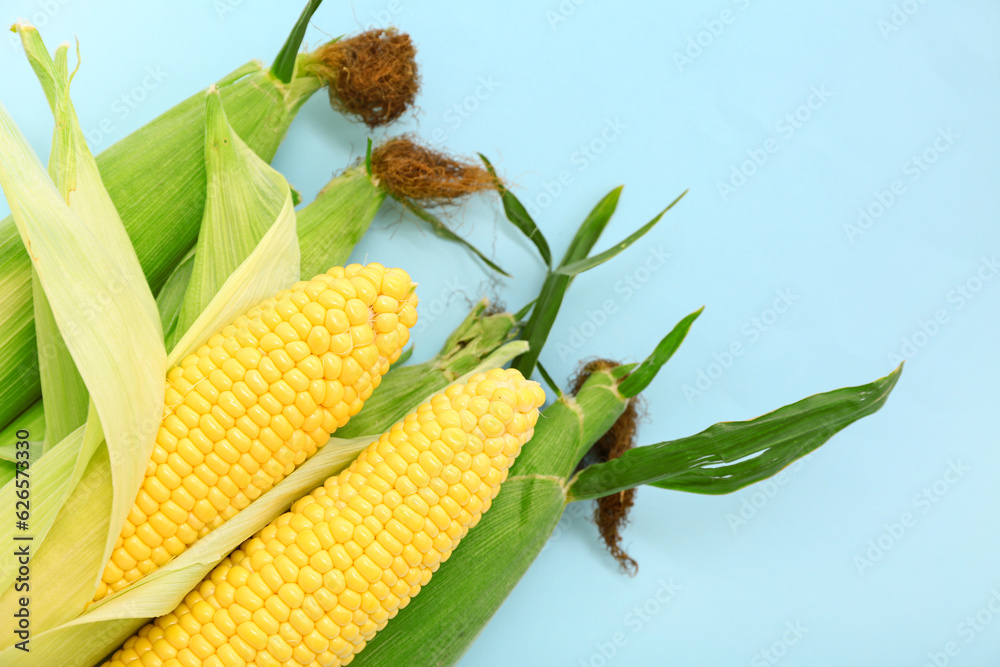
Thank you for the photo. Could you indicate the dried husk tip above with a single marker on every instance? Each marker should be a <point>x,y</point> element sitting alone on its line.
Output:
<point>372,75</point>
<point>611,512</point>
<point>410,171</point>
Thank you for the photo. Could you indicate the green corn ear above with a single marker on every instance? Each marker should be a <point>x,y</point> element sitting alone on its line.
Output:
<point>496,554</point>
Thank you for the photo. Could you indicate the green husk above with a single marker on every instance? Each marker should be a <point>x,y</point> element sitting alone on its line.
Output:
<point>244,198</point>
<point>156,179</point>
<point>61,383</point>
<point>60,380</point>
<point>31,420</point>
<point>335,221</point>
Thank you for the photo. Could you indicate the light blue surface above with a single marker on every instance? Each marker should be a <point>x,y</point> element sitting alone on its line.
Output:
<point>549,83</point>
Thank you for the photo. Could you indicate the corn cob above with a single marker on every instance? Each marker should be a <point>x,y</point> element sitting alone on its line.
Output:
<point>317,583</point>
<point>256,401</point>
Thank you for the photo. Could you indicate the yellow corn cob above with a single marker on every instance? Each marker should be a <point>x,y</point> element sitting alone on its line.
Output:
<point>256,401</point>
<point>319,581</point>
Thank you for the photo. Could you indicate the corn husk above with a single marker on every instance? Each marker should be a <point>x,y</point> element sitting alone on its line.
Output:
<point>98,298</point>
<point>442,622</point>
<point>335,221</point>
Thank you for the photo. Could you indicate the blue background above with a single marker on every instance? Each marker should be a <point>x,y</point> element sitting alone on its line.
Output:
<point>541,82</point>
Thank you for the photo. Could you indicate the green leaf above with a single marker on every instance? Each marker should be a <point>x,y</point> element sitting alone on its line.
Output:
<point>518,215</point>
<point>592,228</point>
<point>521,314</point>
<point>245,196</point>
<point>550,298</point>
<point>171,297</point>
<point>62,386</point>
<point>444,232</point>
<point>284,64</point>
<point>731,455</point>
<point>640,378</point>
<point>579,266</point>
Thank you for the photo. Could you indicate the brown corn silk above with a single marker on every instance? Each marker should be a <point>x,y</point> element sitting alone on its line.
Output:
<point>611,512</point>
<point>372,75</point>
<point>409,171</point>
